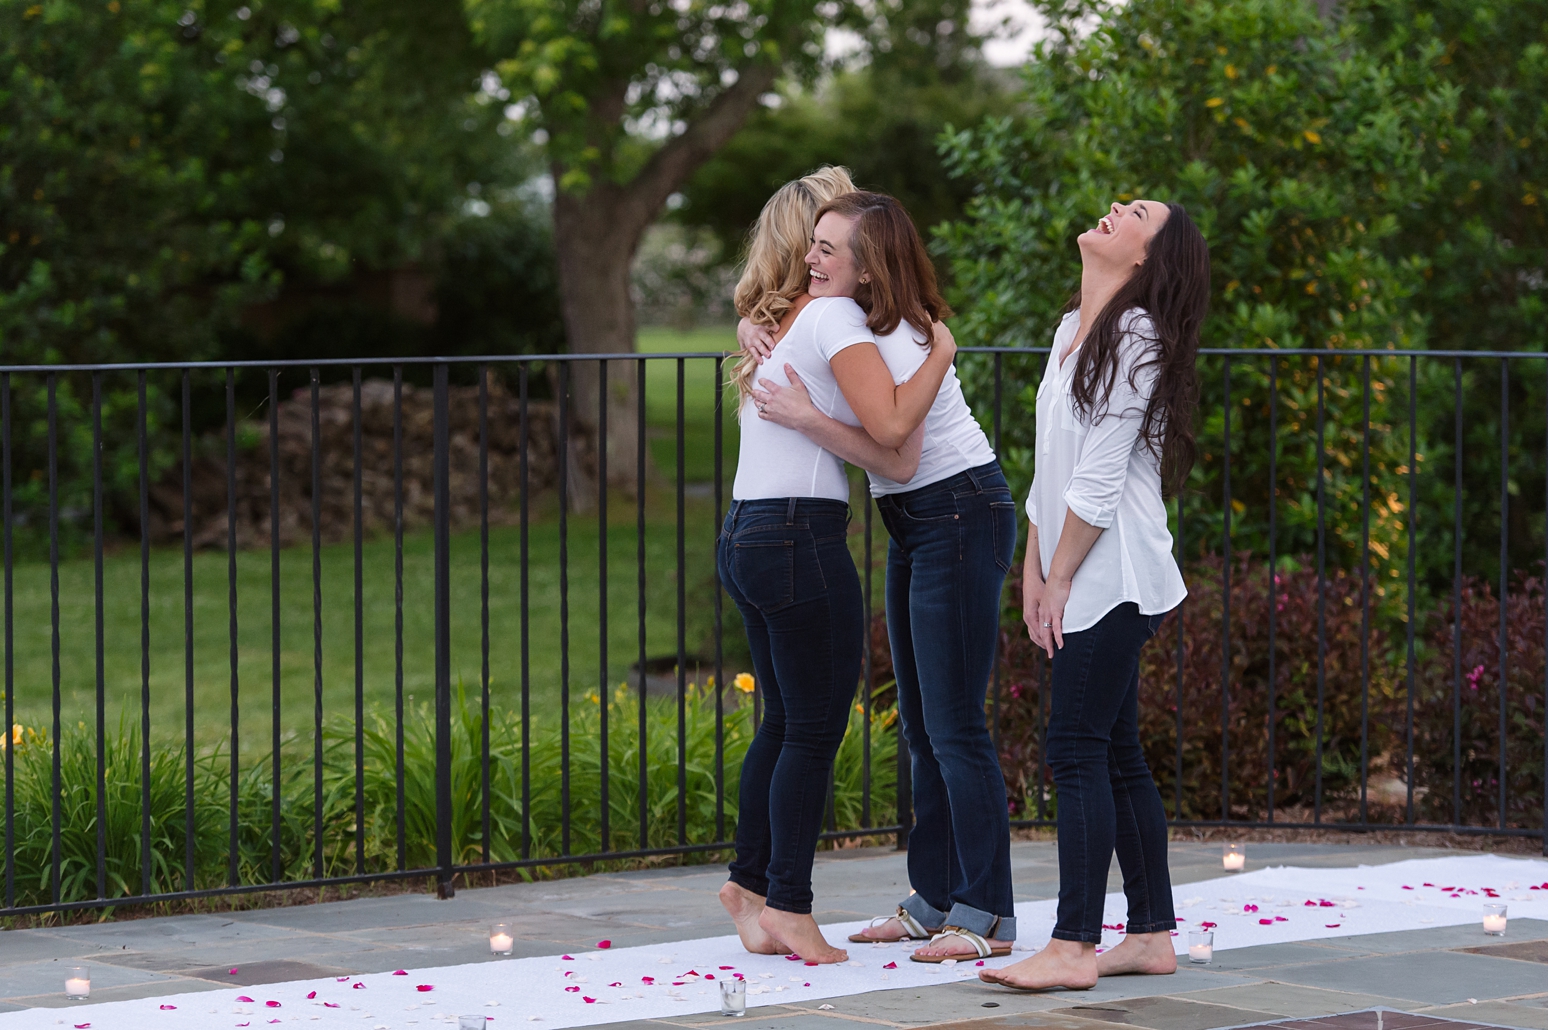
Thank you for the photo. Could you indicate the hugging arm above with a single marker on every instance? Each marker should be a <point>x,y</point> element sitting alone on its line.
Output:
<point>792,408</point>
<point>890,413</point>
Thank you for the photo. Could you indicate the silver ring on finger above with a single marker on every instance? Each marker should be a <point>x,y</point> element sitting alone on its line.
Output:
<point>1048,625</point>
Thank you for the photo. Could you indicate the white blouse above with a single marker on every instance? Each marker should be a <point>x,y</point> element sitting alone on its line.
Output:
<point>1102,471</point>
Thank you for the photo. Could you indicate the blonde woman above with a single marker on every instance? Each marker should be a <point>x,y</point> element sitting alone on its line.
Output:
<point>783,556</point>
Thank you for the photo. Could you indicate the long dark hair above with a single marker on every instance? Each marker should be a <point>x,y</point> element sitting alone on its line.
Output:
<point>1172,286</point>
<point>886,244</point>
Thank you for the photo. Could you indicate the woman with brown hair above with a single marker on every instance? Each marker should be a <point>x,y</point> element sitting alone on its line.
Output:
<point>953,530</point>
<point>783,554</point>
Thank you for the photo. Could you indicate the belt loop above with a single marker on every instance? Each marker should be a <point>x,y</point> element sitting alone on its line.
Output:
<point>978,487</point>
<point>790,512</point>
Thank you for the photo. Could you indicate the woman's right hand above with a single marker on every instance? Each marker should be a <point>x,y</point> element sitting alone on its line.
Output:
<point>757,340</point>
<point>941,337</point>
<point>1032,591</point>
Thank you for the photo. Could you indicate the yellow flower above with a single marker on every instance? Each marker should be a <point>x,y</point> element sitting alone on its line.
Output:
<point>1214,102</point>
<point>14,738</point>
<point>1312,137</point>
<point>743,682</point>
<point>1230,71</point>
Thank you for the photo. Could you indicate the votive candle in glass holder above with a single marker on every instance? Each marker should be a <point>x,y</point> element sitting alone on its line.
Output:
<point>1233,857</point>
<point>1494,920</point>
<point>470,1023</point>
<point>733,997</point>
<point>78,983</point>
<point>1201,946</point>
<point>500,939</point>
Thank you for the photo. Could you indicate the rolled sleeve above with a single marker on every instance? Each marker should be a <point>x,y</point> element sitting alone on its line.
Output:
<point>1031,505</point>
<point>1097,482</point>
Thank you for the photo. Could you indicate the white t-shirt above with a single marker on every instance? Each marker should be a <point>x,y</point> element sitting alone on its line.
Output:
<point>1102,471</point>
<point>953,440</point>
<point>778,462</point>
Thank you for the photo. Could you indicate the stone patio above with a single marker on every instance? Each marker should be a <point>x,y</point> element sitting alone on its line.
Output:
<point>1414,980</point>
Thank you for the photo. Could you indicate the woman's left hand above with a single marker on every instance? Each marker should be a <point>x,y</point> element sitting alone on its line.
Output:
<point>789,406</point>
<point>1056,594</point>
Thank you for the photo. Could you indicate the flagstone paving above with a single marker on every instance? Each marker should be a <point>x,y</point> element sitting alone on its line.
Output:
<point>1411,980</point>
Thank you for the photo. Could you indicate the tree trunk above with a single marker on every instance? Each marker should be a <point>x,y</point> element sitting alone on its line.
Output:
<point>596,236</point>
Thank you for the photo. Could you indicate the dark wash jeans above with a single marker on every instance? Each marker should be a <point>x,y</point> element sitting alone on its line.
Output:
<point>1107,797</point>
<point>786,564</point>
<point>952,544</point>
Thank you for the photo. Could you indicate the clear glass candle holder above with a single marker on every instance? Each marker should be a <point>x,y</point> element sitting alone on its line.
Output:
<point>1494,920</point>
<point>1233,857</point>
<point>78,983</point>
<point>1201,946</point>
<point>501,940</point>
<point>470,1023</point>
<point>733,997</point>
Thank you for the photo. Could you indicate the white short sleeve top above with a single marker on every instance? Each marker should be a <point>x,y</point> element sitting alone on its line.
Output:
<point>1100,469</point>
<point>953,440</point>
<point>777,462</point>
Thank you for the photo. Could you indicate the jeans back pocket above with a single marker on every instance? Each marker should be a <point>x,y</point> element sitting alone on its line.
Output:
<point>765,572</point>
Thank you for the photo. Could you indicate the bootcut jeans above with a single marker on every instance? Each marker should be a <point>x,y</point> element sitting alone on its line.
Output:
<point>786,564</point>
<point>1107,798</point>
<point>952,544</point>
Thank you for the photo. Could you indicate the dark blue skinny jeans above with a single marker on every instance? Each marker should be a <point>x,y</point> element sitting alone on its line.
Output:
<point>786,564</point>
<point>1107,797</point>
<point>952,544</point>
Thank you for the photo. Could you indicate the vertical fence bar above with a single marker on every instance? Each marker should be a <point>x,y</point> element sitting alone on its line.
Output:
<point>317,635</point>
<point>1273,576</point>
<point>1545,631</point>
<point>720,658</point>
<point>359,571</point>
<point>1322,584</point>
<point>188,645</point>
<point>1225,606</point>
<point>1413,518</point>
<point>274,622</point>
<point>1177,803</point>
<point>98,649</point>
<point>1456,612</point>
<point>233,870</point>
<point>443,796</point>
<point>682,629</point>
<point>564,607</point>
<point>995,715</point>
<point>483,607</point>
<point>147,853</point>
<point>526,652</point>
<point>603,693</point>
<point>1505,578</point>
<point>53,588</point>
<point>639,546</point>
<point>397,584</point>
<point>1365,582</point>
<point>870,677</point>
<point>10,641</point>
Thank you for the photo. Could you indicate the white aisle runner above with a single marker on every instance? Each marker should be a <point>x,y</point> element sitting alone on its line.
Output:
<point>1268,906</point>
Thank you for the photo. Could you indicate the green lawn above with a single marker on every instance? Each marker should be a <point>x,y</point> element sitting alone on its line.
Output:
<point>212,675</point>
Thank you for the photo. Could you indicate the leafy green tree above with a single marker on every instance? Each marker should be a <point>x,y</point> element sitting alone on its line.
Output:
<point>1297,153</point>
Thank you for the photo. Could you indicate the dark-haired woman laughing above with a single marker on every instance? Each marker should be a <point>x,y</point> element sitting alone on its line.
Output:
<point>1114,427</point>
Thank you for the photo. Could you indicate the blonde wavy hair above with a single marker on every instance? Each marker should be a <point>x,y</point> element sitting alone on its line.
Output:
<point>775,273</point>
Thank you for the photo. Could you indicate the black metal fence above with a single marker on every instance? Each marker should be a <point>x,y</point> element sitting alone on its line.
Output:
<point>1334,442</point>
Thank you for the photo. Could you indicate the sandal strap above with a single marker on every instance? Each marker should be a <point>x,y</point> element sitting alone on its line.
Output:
<point>910,924</point>
<point>978,943</point>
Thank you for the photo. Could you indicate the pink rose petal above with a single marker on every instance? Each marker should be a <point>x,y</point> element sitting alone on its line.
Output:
<point>424,988</point>
<point>709,976</point>
<point>890,965</point>
<point>400,972</point>
<point>604,944</point>
<point>567,958</point>
<point>1332,926</point>
<point>243,997</point>
<point>615,983</point>
<point>811,963</point>
<point>589,1001</point>
<point>1207,926</point>
<point>806,985</point>
<point>239,1024</point>
<point>233,971</point>
<point>979,962</point>
<point>1280,919</point>
<point>572,990</point>
<point>727,967</point>
<point>341,979</point>
<point>792,958</point>
<point>331,1005</point>
<point>167,1008</point>
<point>358,986</point>
<point>272,1004</point>
<point>647,979</point>
<point>1265,922</point>
<point>312,995</point>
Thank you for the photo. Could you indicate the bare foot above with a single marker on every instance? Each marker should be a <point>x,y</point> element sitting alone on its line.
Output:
<point>1068,964</point>
<point>744,908</point>
<point>799,933</point>
<point>892,930</point>
<point>956,947</point>
<point>1141,953</point>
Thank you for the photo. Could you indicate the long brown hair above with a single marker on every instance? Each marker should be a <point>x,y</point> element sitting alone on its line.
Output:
<point>887,246</point>
<point>1172,286</point>
<point>775,273</point>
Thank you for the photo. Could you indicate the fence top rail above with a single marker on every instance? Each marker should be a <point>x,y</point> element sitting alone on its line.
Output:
<point>497,359</point>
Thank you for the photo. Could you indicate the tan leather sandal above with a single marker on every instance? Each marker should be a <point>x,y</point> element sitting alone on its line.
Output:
<point>912,931</point>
